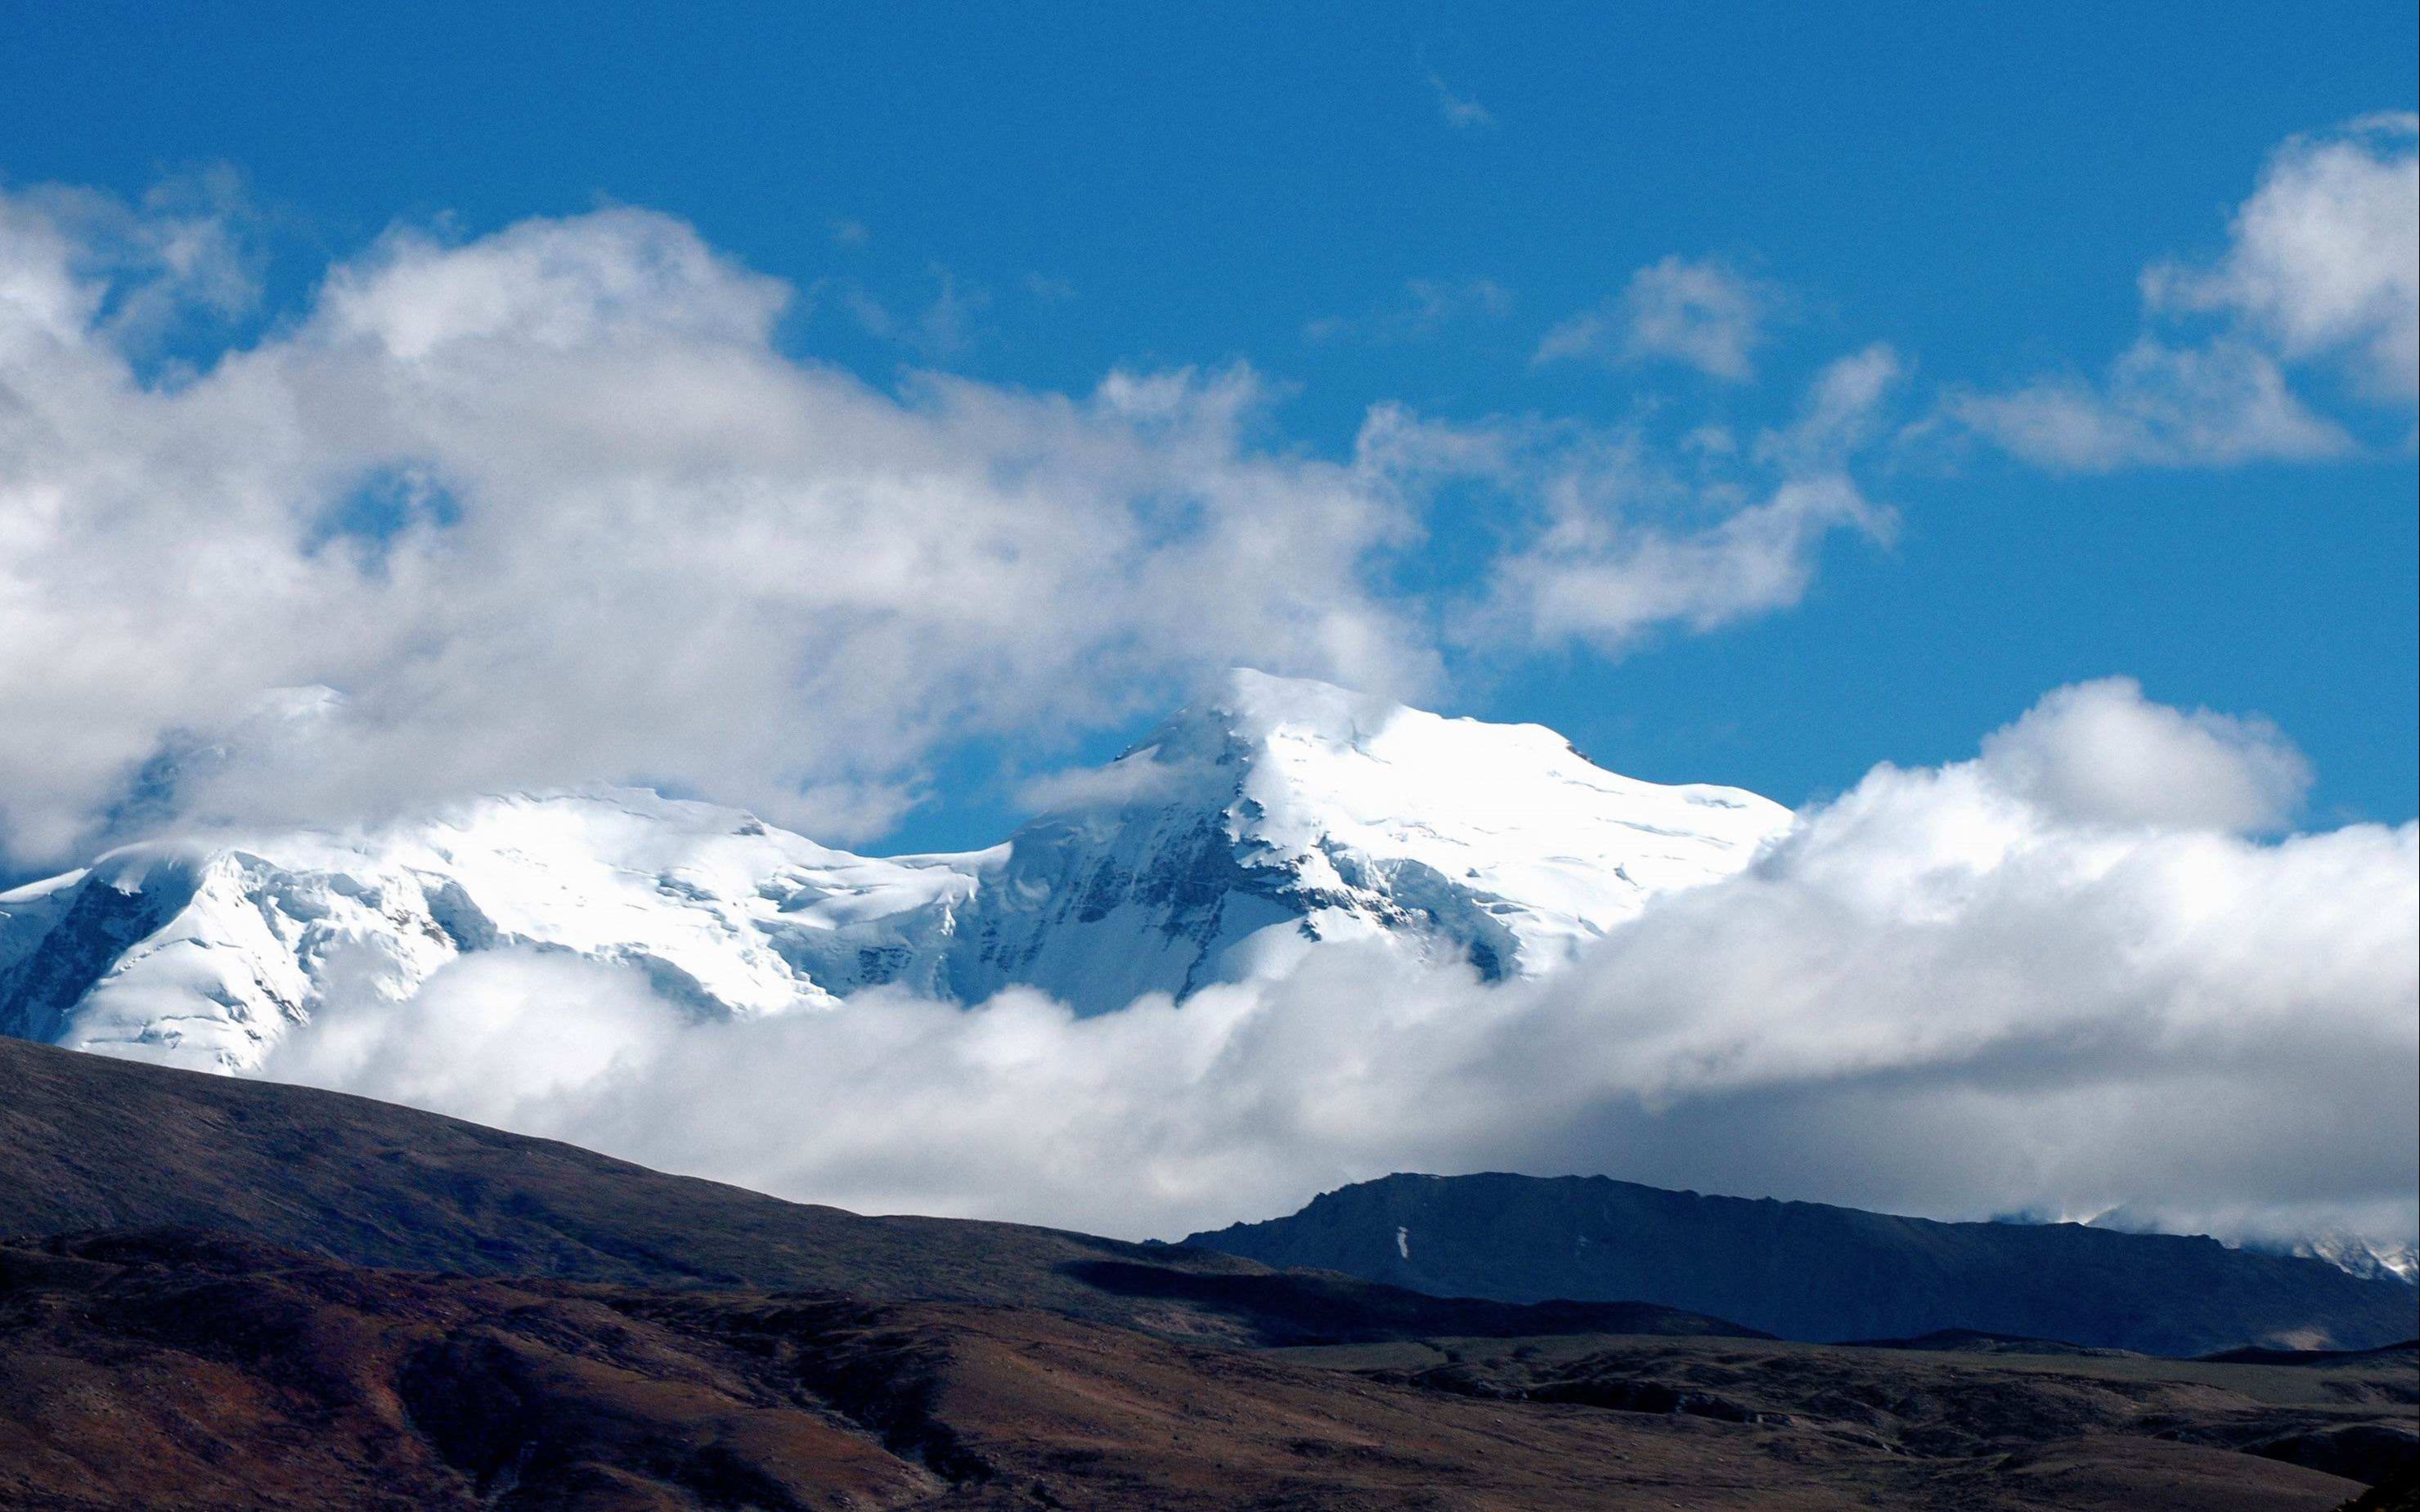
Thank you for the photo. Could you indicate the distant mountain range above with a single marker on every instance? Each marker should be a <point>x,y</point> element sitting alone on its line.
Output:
<point>1276,812</point>
<point>1805,1271</point>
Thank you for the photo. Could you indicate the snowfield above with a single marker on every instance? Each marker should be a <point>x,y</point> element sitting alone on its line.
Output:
<point>1280,812</point>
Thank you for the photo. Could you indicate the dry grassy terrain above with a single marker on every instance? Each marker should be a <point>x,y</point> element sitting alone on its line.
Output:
<point>175,1371</point>
<point>235,1296</point>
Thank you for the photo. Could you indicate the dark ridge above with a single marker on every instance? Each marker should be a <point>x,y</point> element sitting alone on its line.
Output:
<point>1806,1271</point>
<point>2408,1349</point>
<point>1967,1341</point>
<point>87,1142</point>
<point>1301,1307</point>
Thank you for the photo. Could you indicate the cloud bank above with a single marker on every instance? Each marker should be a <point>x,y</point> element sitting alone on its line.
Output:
<point>2061,977</point>
<point>555,505</point>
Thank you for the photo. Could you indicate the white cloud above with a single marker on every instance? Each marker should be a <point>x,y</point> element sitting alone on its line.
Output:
<point>2159,406</point>
<point>1842,412</point>
<point>1701,313</point>
<point>1629,546</point>
<point>1133,780</point>
<point>2322,266</point>
<point>1461,112</point>
<point>1428,306</point>
<point>549,506</point>
<point>137,269</point>
<point>1598,579</point>
<point>1955,991</point>
<point>2324,258</point>
<point>2098,752</point>
<point>943,325</point>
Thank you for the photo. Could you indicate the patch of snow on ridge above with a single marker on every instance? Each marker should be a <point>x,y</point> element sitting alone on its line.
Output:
<point>2359,1257</point>
<point>1278,812</point>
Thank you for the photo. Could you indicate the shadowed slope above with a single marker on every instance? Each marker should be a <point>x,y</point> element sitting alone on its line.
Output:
<point>1806,1271</point>
<point>166,1370</point>
<point>91,1143</point>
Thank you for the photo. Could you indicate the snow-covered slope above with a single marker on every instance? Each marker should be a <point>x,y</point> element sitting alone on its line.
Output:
<point>201,951</point>
<point>1278,812</point>
<point>2355,1255</point>
<point>1287,810</point>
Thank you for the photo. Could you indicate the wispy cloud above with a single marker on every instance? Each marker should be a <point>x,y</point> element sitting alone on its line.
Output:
<point>1460,112</point>
<point>1049,290</point>
<point>1633,543</point>
<point>1700,311</point>
<point>2157,406</point>
<point>943,325</point>
<point>1427,306</point>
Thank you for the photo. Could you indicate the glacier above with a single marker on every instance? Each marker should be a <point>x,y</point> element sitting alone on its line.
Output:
<point>1275,813</point>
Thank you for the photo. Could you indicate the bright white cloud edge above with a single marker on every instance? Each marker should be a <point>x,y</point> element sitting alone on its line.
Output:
<point>2063,976</point>
<point>553,505</point>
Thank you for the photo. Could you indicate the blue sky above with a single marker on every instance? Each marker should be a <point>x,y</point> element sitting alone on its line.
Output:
<point>1404,205</point>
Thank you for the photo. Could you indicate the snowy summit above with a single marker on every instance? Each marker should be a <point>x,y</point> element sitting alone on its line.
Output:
<point>1278,812</point>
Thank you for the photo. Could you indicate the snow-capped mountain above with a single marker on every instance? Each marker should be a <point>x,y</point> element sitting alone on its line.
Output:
<point>1290,810</point>
<point>1278,812</point>
<point>2368,1258</point>
<point>2359,1257</point>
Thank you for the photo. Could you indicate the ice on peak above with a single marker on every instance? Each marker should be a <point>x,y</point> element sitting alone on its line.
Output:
<point>1280,809</point>
<point>1273,811</point>
<point>1257,705</point>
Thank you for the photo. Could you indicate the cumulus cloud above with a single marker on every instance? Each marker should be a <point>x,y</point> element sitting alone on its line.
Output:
<point>1629,544</point>
<point>2100,752</point>
<point>554,505</point>
<point>1701,313</point>
<point>1953,991</point>
<point>2324,258</point>
<point>2320,269</point>
<point>551,506</point>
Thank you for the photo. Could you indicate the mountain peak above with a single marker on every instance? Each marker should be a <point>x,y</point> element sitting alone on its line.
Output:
<point>1257,704</point>
<point>1273,813</point>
